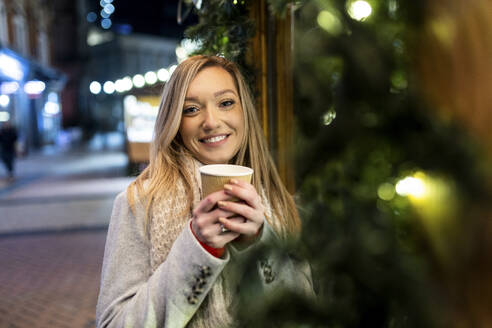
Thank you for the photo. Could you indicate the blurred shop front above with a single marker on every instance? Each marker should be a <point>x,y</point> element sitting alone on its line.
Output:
<point>123,85</point>
<point>29,99</point>
<point>140,113</point>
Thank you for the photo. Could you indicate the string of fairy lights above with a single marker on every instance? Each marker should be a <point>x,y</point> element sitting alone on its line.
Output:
<point>107,9</point>
<point>162,75</point>
<point>127,83</point>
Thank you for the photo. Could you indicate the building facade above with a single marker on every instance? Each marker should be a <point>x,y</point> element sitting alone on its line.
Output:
<point>29,87</point>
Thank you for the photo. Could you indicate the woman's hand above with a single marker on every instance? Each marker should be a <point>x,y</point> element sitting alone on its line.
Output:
<point>250,209</point>
<point>206,225</point>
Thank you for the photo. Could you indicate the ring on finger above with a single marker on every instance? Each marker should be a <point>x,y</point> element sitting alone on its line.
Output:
<point>223,229</point>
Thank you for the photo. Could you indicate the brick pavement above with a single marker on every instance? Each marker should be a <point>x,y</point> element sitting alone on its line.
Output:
<point>53,222</point>
<point>50,279</point>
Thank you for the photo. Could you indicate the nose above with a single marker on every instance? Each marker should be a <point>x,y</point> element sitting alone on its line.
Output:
<point>211,119</point>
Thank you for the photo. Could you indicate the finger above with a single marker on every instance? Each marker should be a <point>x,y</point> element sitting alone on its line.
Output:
<point>223,239</point>
<point>242,184</point>
<point>246,228</point>
<point>242,209</point>
<point>218,238</point>
<point>221,229</point>
<point>205,220</point>
<point>249,195</point>
<point>208,203</point>
<point>238,219</point>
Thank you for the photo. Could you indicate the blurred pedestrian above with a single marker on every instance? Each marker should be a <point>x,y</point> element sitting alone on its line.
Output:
<point>171,258</point>
<point>8,139</point>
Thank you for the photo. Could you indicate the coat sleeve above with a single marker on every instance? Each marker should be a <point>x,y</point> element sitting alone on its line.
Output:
<point>278,269</point>
<point>131,295</point>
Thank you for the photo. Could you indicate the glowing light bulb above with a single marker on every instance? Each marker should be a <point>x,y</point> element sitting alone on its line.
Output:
<point>127,83</point>
<point>150,77</point>
<point>360,10</point>
<point>108,87</point>
<point>163,75</point>
<point>411,186</point>
<point>95,87</point>
<point>138,81</point>
<point>119,86</point>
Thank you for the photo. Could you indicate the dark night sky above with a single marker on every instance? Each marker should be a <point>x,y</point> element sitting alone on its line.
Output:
<point>156,17</point>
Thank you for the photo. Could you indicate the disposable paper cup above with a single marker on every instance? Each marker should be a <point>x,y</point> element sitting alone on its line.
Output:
<point>215,176</point>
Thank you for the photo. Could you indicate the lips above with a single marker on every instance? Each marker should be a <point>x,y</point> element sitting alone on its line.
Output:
<point>214,138</point>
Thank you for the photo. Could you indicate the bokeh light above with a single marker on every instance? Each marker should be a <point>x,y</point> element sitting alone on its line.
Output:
<point>150,77</point>
<point>359,10</point>
<point>91,17</point>
<point>109,9</point>
<point>95,87</point>
<point>127,83</point>
<point>119,86</point>
<point>163,75</point>
<point>386,191</point>
<point>11,67</point>
<point>138,81</point>
<point>411,186</point>
<point>104,14</point>
<point>51,108</point>
<point>4,116</point>
<point>108,87</point>
<point>106,23</point>
<point>329,116</point>
<point>172,68</point>
<point>9,87</point>
<point>34,87</point>
<point>329,22</point>
<point>4,100</point>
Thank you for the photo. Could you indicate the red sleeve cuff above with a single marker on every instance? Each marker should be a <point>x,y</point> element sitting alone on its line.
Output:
<point>217,252</point>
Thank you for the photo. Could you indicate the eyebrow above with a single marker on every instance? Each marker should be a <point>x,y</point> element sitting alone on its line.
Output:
<point>216,94</point>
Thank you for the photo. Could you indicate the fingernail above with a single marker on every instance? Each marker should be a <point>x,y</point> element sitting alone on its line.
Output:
<point>228,187</point>
<point>221,203</point>
<point>234,181</point>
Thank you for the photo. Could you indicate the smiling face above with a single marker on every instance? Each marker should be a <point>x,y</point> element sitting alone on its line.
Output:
<point>212,125</point>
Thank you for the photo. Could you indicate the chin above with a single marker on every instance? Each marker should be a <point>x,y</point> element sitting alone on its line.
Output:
<point>216,160</point>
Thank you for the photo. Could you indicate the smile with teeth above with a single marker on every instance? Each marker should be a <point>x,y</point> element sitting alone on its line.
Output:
<point>214,139</point>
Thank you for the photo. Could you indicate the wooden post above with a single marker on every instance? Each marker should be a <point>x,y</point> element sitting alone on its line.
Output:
<point>284,93</point>
<point>257,58</point>
<point>271,54</point>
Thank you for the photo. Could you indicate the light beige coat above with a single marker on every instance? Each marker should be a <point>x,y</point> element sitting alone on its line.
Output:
<point>147,283</point>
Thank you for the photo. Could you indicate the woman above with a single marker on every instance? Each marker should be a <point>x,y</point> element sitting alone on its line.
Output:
<point>171,259</point>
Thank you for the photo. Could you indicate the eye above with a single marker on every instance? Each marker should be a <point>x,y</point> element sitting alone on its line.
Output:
<point>190,110</point>
<point>227,103</point>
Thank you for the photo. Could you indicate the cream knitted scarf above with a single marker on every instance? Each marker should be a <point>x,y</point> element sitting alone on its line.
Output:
<point>169,218</point>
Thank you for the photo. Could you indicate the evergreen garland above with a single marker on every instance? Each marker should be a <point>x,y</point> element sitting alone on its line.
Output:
<point>379,259</point>
<point>224,29</point>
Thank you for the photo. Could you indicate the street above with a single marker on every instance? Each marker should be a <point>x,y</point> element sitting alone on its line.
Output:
<point>53,221</point>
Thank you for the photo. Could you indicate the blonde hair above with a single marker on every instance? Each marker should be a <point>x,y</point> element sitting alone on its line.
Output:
<point>167,152</point>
